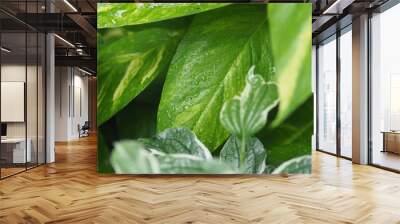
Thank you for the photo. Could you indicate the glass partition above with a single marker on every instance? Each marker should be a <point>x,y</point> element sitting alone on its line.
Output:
<point>13,94</point>
<point>327,95</point>
<point>22,77</point>
<point>346,93</point>
<point>385,89</point>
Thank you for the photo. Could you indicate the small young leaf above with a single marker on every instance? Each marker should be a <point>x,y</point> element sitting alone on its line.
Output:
<point>178,140</point>
<point>246,114</point>
<point>297,165</point>
<point>129,157</point>
<point>253,157</point>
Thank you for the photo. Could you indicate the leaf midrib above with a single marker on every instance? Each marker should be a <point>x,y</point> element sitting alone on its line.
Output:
<point>222,82</point>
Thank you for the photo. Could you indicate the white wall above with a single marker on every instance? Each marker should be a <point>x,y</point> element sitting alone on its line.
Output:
<point>12,73</point>
<point>71,94</point>
<point>16,73</point>
<point>33,126</point>
<point>62,81</point>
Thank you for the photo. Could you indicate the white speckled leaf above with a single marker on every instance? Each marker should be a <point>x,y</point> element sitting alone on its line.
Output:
<point>245,115</point>
<point>178,140</point>
<point>254,155</point>
<point>295,166</point>
<point>188,164</point>
<point>130,157</point>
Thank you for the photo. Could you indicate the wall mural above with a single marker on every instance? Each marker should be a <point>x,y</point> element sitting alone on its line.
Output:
<point>210,88</point>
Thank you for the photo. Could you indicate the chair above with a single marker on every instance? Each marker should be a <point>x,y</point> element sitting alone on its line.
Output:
<point>84,130</point>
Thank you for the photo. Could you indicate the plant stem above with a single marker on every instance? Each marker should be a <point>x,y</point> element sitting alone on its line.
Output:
<point>242,150</point>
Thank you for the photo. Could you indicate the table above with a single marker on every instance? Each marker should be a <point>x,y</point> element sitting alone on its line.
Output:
<point>391,141</point>
<point>16,147</point>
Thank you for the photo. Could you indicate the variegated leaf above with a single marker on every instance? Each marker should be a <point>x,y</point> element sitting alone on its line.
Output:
<point>246,114</point>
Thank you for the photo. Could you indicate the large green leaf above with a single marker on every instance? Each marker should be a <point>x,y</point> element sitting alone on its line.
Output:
<point>177,141</point>
<point>103,155</point>
<point>130,157</point>
<point>129,58</point>
<point>210,67</point>
<point>136,120</point>
<point>295,166</point>
<point>123,14</point>
<point>246,114</point>
<point>290,29</point>
<point>253,156</point>
<point>290,139</point>
<point>139,118</point>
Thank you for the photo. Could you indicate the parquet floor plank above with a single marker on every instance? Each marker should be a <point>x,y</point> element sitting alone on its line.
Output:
<point>70,191</point>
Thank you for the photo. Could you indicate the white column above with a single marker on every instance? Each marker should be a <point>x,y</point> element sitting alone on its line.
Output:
<point>360,90</point>
<point>50,94</point>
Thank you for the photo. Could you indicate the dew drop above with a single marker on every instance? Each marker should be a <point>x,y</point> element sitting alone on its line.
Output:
<point>273,69</point>
<point>120,13</point>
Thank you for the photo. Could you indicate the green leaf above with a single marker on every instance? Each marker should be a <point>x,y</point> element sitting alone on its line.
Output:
<point>103,155</point>
<point>295,166</point>
<point>290,29</point>
<point>210,67</point>
<point>290,139</point>
<point>246,114</point>
<point>139,118</point>
<point>178,141</point>
<point>129,157</point>
<point>130,58</point>
<point>123,14</point>
<point>254,155</point>
<point>136,120</point>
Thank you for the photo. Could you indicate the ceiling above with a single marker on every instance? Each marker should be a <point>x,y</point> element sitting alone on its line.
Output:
<point>74,21</point>
<point>332,15</point>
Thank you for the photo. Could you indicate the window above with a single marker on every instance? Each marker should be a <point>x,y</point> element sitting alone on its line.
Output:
<point>327,95</point>
<point>385,89</point>
<point>346,92</point>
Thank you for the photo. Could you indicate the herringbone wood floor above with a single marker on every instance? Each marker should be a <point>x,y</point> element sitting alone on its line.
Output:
<point>70,191</point>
